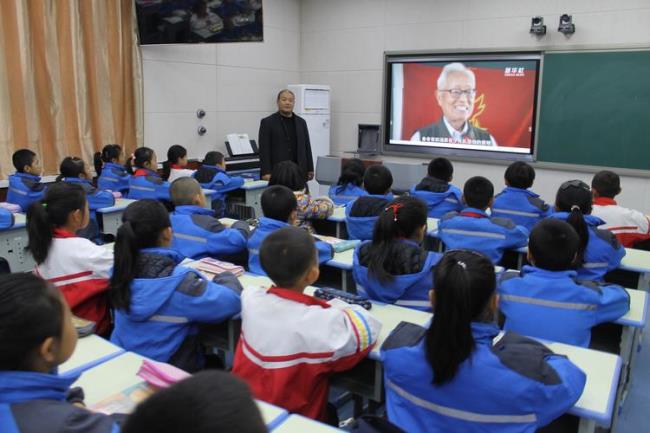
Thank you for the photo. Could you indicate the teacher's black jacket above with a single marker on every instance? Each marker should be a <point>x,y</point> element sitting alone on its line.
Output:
<point>275,145</point>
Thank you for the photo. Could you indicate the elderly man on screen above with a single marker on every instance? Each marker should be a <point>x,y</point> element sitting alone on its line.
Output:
<point>455,95</point>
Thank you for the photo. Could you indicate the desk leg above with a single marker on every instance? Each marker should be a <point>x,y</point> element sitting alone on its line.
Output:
<point>644,282</point>
<point>344,280</point>
<point>520,260</point>
<point>586,426</point>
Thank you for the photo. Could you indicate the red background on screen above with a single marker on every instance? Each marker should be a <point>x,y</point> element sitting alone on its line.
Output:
<point>508,102</point>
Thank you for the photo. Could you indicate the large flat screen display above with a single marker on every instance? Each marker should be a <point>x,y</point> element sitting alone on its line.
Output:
<point>467,104</point>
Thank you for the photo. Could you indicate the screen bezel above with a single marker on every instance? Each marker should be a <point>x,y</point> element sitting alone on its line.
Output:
<point>442,56</point>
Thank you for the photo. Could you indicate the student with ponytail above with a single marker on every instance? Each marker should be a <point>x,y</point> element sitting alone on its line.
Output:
<point>145,181</point>
<point>349,186</point>
<point>76,266</point>
<point>36,336</point>
<point>74,170</point>
<point>159,305</point>
<point>393,267</point>
<point>599,252</point>
<point>176,164</point>
<point>445,378</point>
<point>109,166</point>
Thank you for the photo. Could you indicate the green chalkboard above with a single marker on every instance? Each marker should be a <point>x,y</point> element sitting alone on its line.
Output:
<point>595,109</point>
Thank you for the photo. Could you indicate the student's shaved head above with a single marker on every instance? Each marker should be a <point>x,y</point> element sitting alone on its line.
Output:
<point>183,190</point>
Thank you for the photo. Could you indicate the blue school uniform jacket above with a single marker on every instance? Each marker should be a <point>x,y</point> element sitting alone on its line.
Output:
<point>522,206</point>
<point>361,214</point>
<point>147,184</point>
<point>440,203</point>
<point>556,306</point>
<point>267,226</point>
<point>516,385</point>
<point>24,189</point>
<point>407,289</point>
<point>6,219</point>
<point>33,402</point>
<point>473,229</point>
<point>343,194</point>
<point>197,233</point>
<point>114,177</point>
<point>603,253</point>
<point>220,182</point>
<point>168,302</point>
<point>97,199</point>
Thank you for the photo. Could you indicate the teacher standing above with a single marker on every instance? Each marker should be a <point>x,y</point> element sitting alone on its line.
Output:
<point>284,136</point>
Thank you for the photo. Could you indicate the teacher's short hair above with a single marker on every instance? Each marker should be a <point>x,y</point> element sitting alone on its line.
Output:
<point>454,67</point>
<point>283,91</point>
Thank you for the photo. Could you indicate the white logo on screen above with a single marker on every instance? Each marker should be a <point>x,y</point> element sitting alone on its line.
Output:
<point>514,72</point>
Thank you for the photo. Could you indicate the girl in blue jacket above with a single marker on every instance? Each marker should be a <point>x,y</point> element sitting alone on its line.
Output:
<point>36,336</point>
<point>393,267</point>
<point>212,175</point>
<point>74,170</point>
<point>145,181</point>
<point>350,182</point>
<point>599,251</point>
<point>159,304</point>
<point>109,166</point>
<point>452,378</point>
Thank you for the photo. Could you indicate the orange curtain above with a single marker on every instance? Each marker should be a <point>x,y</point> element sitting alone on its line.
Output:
<point>70,79</point>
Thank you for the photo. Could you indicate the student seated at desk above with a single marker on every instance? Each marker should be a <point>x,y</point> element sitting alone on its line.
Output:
<point>176,164</point>
<point>25,185</point>
<point>451,378</point>
<point>36,336</point>
<point>74,170</point>
<point>631,227</point>
<point>75,265</point>
<point>109,166</point>
<point>159,304</point>
<point>212,175</point>
<point>517,201</point>
<point>361,214</point>
<point>145,182</point>
<point>473,229</point>
<point>349,185</point>
<point>599,251</point>
<point>6,219</point>
<point>210,401</point>
<point>197,233</point>
<point>287,173</point>
<point>393,267</point>
<point>282,327</point>
<point>547,300</point>
<point>280,209</point>
<point>436,190</point>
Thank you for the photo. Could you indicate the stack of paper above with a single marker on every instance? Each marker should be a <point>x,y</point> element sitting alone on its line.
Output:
<point>216,267</point>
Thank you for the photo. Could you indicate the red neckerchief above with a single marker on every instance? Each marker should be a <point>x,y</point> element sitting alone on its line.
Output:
<point>297,297</point>
<point>177,167</point>
<point>62,234</point>
<point>142,172</point>
<point>604,201</point>
<point>473,214</point>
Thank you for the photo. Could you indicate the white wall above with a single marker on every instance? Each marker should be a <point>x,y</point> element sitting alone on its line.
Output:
<point>343,43</point>
<point>235,84</point>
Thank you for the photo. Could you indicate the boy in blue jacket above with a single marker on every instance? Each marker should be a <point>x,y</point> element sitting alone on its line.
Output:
<point>517,201</point>
<point>361,214</point>
<point>436,190</point>
<point>36,336</point>
<point>280,209</point>
<point>197,233</point>
<point>25,185</point>
<point>547,300</point>
<point>473,229</point>
<point>212,175</point>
